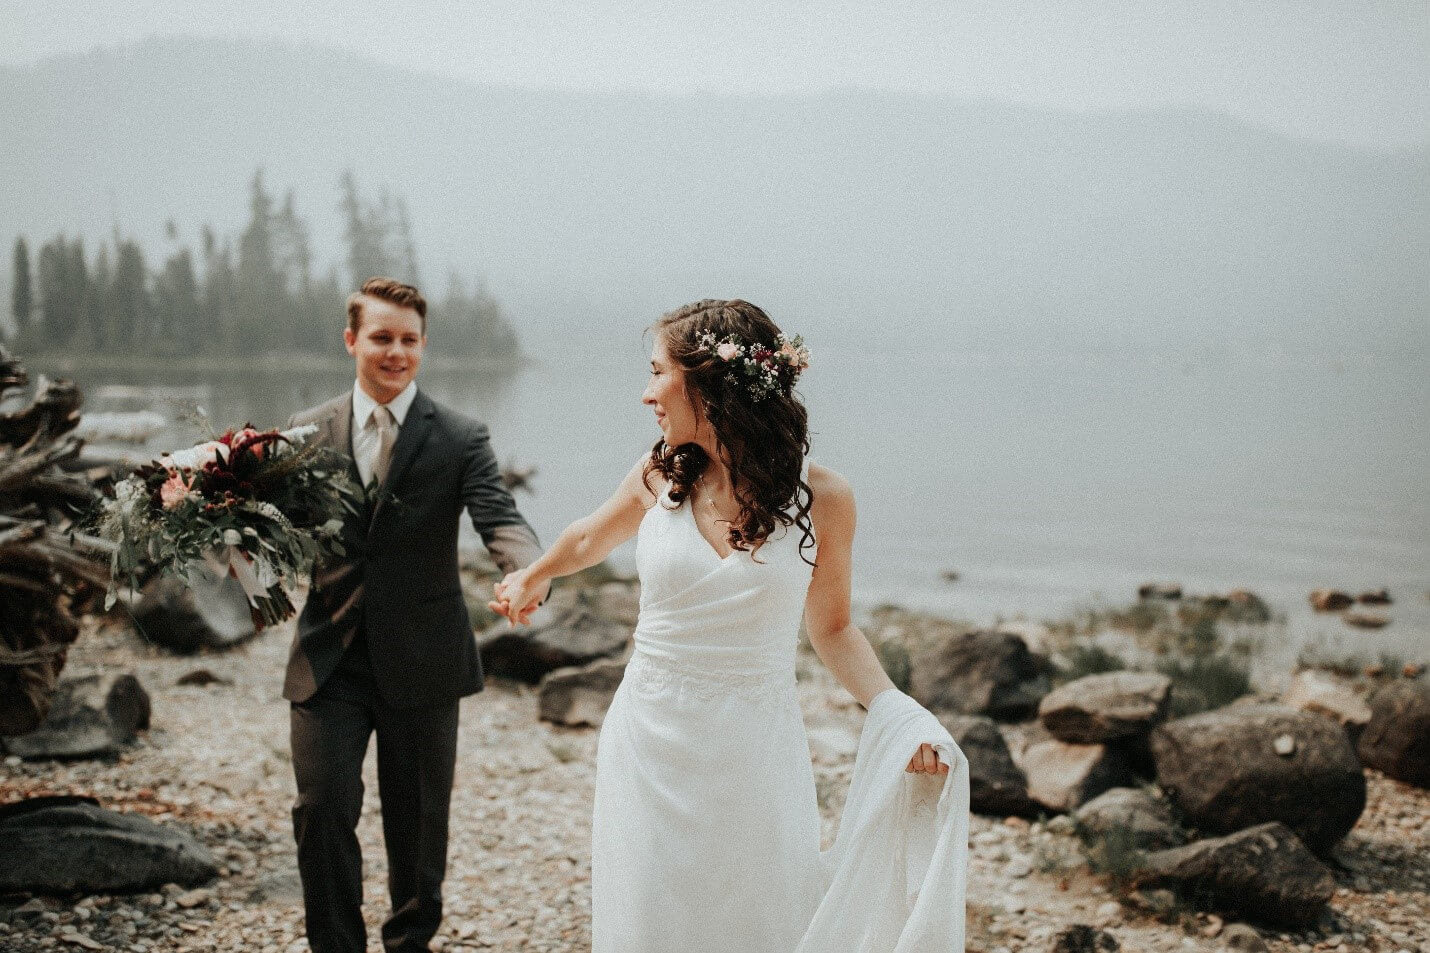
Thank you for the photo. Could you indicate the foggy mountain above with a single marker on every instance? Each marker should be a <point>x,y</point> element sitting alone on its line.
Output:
<point>851,215</point>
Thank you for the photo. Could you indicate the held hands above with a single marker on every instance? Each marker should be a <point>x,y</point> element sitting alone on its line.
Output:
<point>925,761</point>
<point>517,596</point>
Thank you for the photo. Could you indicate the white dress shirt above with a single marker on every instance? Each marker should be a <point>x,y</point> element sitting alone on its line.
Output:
<point>365,435</point>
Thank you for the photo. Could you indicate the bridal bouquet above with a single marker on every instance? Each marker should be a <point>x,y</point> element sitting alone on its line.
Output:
<point>256,505</point>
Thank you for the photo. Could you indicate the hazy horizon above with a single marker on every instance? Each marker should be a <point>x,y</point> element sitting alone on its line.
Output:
<point>979,225</point>
<point>1322,71</point>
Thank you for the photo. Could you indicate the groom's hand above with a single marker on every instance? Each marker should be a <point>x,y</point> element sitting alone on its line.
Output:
<point>516,598</point>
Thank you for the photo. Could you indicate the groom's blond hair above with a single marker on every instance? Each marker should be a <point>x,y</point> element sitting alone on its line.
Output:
<point>390,290</point>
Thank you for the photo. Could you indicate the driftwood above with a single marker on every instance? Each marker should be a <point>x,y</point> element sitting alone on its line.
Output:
<point>44,574</point>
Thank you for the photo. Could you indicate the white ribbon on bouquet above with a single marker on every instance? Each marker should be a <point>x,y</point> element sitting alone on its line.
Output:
<point>256,576</point>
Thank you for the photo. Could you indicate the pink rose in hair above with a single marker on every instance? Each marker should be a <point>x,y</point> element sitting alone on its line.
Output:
<point>728,351</point>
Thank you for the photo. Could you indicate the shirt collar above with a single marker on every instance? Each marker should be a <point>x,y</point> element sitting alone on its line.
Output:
<point>363,405</point>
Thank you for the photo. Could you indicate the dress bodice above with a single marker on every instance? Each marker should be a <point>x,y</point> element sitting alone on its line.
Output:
<point>741,612</point>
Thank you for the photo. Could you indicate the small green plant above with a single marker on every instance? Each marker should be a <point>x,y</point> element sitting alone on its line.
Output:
<point>894,657</point>
<point>1205,682</point>
<point>1116,852</point>
<point>1144,615</point>
<point>1200,638</point>
<point>1054,855</point>
<point>1086,658</point>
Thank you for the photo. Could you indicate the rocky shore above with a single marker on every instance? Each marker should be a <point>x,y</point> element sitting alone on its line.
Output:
<point>214,762</point>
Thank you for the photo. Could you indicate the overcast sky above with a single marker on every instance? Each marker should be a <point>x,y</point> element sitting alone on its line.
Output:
<point>1355,71</point>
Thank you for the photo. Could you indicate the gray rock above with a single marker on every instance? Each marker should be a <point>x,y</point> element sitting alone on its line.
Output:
<point>579,696</point>
<point>212,613</point>
<point>1148,818</point>
<point>1106,707</point>
<point>91,716</point>
<point>1264,873</point>
<point>71,845</point>
<point>280,887</point>
<point>1397,739</point>
<point>1323,694</point>
<point>577,638</point>
<point>980,673</point>
<point>1330,600</point>
<point>1222,769</point>
<point>996,785</point>
<point>1081,938</point>
<point>1242,938</point>
<point>617,601</point>
<point>1063,776</point>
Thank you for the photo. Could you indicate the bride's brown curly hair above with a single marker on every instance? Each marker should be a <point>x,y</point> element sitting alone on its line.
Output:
<point>764,442</point>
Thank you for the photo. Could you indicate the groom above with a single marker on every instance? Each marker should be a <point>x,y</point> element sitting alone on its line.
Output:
<point>384,644</point>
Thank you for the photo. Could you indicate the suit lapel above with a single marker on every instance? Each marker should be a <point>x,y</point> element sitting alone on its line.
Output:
<point>340,435</point>
<point>410,437</point>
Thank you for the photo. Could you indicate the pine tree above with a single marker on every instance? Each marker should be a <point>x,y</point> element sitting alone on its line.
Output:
<point>127,303</point>
<point>22,293</point>
<point>176,306</point>
<point>220,297</point>
<point>63,289</point>
<point>258,280</point>
<point>98,320</point>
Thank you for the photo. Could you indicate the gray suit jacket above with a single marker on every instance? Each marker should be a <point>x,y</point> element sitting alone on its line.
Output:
<point>399,583</point>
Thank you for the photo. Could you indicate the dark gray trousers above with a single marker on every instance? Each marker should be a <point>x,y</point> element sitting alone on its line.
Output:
<point>416,755</point>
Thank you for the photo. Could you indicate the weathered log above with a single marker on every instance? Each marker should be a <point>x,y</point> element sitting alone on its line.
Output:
<point>43,576</point>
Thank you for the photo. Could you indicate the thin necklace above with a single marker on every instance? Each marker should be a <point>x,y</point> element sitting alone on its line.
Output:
<point>710,499</point>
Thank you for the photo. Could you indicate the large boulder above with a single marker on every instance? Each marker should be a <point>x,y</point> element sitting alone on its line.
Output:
<point>1248,764</point>
<point>980,673</point>
<point>1106,707</point>
<point>1148,819</point>
<point>1263,873</point>
<point>576,638</point>
<point>1323,694</point>
<point>1063,776</point>
<point>996,786</point>
<point>71,845</point>
<point>91,716</point>
<point>1397,738</point>
<point>209,613</point>
<point>579,696</point>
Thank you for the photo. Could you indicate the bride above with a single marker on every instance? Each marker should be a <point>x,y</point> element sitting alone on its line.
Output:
<point>705,834</point>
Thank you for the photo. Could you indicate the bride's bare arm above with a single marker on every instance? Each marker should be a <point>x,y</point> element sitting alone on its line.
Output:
<point>581,545</point>
<point>838,642</point>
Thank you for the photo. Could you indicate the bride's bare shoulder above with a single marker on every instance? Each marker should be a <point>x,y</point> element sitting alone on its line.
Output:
<point>643,482</point>
<point>832,493</point>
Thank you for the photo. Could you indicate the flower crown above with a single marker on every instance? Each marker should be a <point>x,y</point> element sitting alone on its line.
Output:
<point>762,369</point>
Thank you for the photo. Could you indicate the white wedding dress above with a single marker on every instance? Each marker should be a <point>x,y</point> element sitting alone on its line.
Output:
<point>705,836</point>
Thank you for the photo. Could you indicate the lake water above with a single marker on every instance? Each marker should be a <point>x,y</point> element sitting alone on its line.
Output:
<point>1046,481</point>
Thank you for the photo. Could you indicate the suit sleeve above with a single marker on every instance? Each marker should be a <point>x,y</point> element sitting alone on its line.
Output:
<point>511,542</point>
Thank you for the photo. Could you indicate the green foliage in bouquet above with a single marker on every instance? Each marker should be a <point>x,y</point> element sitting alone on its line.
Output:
<point>258,505</point>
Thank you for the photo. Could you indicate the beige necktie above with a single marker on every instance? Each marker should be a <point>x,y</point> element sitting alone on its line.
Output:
<point>386,437</point>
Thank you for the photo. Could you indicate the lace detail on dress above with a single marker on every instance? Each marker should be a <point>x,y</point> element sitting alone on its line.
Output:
<point>770,691</point>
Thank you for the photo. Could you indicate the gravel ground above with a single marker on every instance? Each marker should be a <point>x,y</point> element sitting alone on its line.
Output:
<point>216,760</point>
